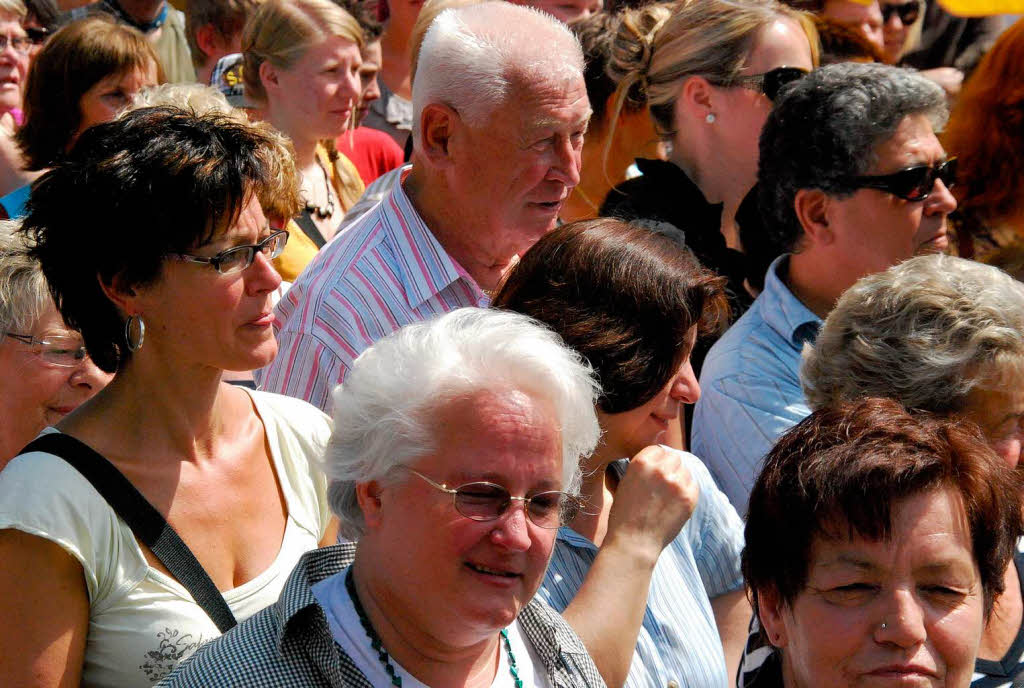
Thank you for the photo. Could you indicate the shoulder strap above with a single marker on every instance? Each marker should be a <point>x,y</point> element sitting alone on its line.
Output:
<point>309,228</point>
<point>145,521</point>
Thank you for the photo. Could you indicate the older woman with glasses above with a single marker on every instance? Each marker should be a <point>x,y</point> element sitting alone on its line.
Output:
<point>223,497</point>
<point>454,460</point>
<point>876,545</point>
<point>44,369</point>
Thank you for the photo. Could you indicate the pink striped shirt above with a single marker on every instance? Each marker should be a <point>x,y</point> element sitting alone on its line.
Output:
<point>385,271</point>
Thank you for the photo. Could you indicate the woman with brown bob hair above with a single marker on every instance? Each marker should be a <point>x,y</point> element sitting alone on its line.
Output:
<point>986,134</point>
<point>153,235</point>
<point>876,543</point>
<point>632,300</point>
<point>84,75</point>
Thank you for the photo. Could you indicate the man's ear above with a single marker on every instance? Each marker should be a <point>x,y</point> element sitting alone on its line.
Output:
<point>770,609</point>
<point>208,39</point>
<point>368,495</point>
<point>438,124</point>
<point>812,210</point>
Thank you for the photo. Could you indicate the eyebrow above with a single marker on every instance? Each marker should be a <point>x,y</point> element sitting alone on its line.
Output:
<point>463,478</point>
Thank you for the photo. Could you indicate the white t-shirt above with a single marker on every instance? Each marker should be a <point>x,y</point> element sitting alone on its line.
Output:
<point>349,633</point>
<point>142,622</point>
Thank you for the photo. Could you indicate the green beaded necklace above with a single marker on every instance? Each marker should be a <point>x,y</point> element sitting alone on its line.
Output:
<point>382,654</point>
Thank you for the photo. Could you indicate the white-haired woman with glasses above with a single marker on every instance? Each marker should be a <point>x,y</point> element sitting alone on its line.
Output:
<point>455,458</point>
<point>223,494</point>
<point>45,371</point>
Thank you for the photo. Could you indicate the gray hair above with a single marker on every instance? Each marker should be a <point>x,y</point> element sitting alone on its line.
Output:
<point>473,58</point>
<point>24,295</point>
<point>384,410</point>
<point>826,128</point>
<point>925,333</point>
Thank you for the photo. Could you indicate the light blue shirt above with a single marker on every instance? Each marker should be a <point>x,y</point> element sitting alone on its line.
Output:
<point>679,640</point>
<point>750,387</point>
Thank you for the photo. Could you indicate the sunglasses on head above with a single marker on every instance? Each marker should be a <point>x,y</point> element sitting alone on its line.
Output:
<point>913,183</point>
<point>907,12</point>
<point>770,82</point>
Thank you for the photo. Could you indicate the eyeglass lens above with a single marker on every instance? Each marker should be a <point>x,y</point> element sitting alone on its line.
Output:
<point>779,77</point>
<point>486,502</point>
<point>907,12</point>
<point>19,43</point>
<point>917,183</point>
<point>241,257</point>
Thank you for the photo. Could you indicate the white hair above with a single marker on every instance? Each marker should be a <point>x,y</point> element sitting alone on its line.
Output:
<point>24,295</point>
<point>473,57</point>
<point>925,333</point>
<point>195,98</point>
<point>383,413</point>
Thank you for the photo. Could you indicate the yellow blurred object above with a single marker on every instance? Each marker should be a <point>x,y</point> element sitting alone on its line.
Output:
<point>982,8</point>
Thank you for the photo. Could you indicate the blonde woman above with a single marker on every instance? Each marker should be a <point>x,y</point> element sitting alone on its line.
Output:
<point>301,67</point>
<point>708,72</point>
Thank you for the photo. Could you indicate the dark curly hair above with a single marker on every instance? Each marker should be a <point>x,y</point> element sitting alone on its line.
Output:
<point>625,297</point>
<point>825,128</point>
<point>155,182</point>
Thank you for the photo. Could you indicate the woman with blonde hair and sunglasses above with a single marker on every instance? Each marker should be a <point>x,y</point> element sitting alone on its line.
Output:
<point>301,61</point>
<point>708,71</point>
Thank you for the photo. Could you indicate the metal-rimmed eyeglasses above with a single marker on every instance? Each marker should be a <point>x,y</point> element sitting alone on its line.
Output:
<point>21,44</point>
<point>238,258</point>
<point>912,183</point>
<point>484,501</point>
<point>768,83</point>
<point>60,351</point>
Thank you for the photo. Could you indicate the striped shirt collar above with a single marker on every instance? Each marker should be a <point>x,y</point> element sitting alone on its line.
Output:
<point>434,270</point>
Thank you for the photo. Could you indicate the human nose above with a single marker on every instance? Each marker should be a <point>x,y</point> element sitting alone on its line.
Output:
<point>685,386</point>
<point>941,200</point>
<point>903,624</point>
<point>262,275</point>
<point>88,377</point>
<point>511,530</point>
<point>566,165</point>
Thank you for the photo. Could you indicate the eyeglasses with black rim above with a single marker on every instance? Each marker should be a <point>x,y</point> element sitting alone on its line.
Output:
<point>908,12</point>
<point>238,258</point>
<point>484,501</point>
<point>768,83</point>
<point>912,183</point>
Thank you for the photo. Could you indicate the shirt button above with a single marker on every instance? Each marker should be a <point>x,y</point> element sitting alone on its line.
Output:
<point>672,684</point>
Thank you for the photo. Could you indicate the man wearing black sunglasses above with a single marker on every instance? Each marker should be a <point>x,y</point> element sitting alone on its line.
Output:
<point>852,180</point>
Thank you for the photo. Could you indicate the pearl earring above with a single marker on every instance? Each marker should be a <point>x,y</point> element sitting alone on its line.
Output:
<point>710,119</point>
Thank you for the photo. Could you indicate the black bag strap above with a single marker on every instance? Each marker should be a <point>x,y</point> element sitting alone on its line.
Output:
<point>309,228</point>
<point>149,526</point>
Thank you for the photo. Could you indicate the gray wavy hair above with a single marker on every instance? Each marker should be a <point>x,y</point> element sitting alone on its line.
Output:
<point>826,128</point>
<point>925,333</point>
<point>384,409</point>
<point>24,294</point>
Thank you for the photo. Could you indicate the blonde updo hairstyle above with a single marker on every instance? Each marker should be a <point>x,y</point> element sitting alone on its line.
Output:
<point>280,32</point>
<point>658,46</point>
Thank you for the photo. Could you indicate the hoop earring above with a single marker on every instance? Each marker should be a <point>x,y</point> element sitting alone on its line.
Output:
<point>134,346</point>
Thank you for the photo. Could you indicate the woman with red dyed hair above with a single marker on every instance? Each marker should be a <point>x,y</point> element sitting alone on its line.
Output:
<point>986,133</point>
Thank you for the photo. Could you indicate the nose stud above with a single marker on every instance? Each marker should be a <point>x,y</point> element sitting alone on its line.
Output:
<point>883,626</point>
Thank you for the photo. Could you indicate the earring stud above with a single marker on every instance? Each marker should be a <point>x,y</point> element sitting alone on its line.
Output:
<point>710,119</point>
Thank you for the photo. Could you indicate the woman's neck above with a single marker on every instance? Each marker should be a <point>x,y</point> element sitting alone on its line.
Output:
<point>598,494</point>
<point>395,62</point>
<point>171,410</point>
<point>716,184</point>
<point>430,659</point>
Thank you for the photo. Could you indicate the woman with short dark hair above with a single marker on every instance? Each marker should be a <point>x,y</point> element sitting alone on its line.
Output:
<point>632,301</point>
<point>876,544</point>
<point>153,235</point>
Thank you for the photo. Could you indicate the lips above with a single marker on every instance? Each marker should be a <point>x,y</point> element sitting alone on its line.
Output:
<point>902,671</point>
<point>492,571</point>
<point>263,320</point>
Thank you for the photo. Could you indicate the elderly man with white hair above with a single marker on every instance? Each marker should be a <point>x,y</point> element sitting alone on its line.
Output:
<point>500,109</point>
<point>454,459</point>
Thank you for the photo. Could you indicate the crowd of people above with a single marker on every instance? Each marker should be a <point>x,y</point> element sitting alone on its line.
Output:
<point>538,343</point>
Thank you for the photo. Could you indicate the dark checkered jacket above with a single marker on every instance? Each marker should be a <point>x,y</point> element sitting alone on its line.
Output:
<point>289,643</point>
